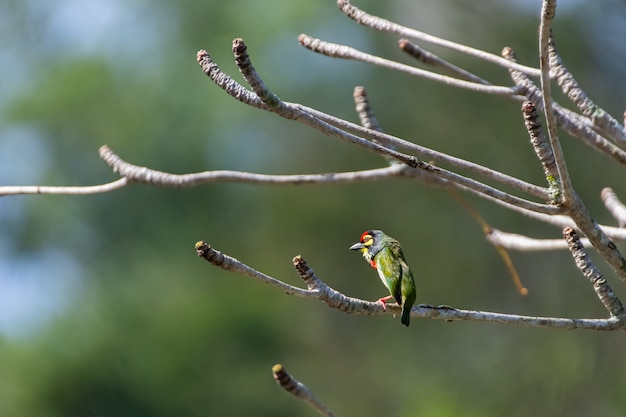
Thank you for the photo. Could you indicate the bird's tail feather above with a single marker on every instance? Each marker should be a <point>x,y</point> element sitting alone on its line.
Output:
<point>406,316</point>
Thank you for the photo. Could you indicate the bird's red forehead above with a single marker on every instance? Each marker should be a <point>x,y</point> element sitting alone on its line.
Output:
<point>365,233</point>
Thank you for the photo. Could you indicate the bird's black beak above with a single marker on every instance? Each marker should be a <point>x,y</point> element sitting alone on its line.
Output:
<point>357,246</point>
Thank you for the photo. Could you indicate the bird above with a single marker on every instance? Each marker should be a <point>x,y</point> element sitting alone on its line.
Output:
<point>385,255</point>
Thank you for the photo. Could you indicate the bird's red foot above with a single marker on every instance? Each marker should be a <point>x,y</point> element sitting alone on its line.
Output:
<point>383,301</point>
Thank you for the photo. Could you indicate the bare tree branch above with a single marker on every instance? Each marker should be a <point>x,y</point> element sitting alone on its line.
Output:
<point>317,289</point>
<point>145,175</point>
<point>523,243</point>
<point>431,59</point>
<point>614,205</point>
<point>576,125</point>
<point>557,204</point>
<point>300,114</point>
<point>561,221</point>
<point>602,121</point>
<point>384,25</point>
<point>576,208</point>
<point>299,390</point>
<point>590,271</point>
<point>231,264</point>
<point>364,110</point>
<point>78,190</point>
<point>548,10</point>
<point>430,154</point>
<point>542,148</point>
<point>345,52</point>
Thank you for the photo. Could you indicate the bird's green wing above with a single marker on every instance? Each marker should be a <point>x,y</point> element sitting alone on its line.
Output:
<point>391,269</point>
<point>408,284</point>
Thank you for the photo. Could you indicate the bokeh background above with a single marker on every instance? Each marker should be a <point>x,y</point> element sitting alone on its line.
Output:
<point>105,310</point>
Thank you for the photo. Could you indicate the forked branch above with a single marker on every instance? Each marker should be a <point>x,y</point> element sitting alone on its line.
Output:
<point>554,203</point>
<point>317,289</point>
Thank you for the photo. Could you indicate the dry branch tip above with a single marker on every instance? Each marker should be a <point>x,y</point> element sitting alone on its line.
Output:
<point>205,251</point>
<point>592,273</point>
<point>298,390</point>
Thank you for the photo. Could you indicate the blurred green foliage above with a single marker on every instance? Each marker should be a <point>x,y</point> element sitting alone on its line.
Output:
<point>152,331</point>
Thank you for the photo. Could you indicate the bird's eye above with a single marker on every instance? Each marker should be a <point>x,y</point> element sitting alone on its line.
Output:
<point>366,238</point>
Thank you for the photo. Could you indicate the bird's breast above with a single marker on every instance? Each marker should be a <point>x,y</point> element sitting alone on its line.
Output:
<point>382,276</point>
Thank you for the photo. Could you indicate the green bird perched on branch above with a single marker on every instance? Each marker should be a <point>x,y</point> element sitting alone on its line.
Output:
<point>385,255</point>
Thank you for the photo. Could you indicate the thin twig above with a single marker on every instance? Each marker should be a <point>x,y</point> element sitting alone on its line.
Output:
<point>77,190</point>
<point>523,243</point>
<point>614,205</point>
<point>603,244</point>
<point>226,83</point>
<point>251,76</point>
<point>299,390</point>
<point>430,154</point>
<point>231,264</point>
<point>590,271</point>
<point>514,241</point>
<point>369,120</point>
<point>542,148</point>
<point>561,221</point>
<point>384,25</point>
<point>134,173</point>
<point>364,110</point>
<point>346,52</point>
<point>486,191</point>
<point>601,119</point>
<point>428,58</point>
<point>548,10</point>
<point>487,230</point>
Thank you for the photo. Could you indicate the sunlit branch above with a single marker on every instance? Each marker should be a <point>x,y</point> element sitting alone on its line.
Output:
<point>430,154</point>
<point>76,190</point>
<point>384,25</point>
<point>602,120</point>
<point>575,124</point>
<point>561,221</point>
<point>139,174</point>
<point>614,205</point>
<point>514,241</point>
<point>302,115</point>
<point>548,10</point>
<point>560,205</point>
<point>231,264</point>
<point>486,191</point>
<point>342,129</point>
<point>290,112</point>
<point>576,208</point>
<point>317,289</point>
<point>346,52</point>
